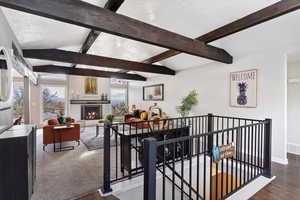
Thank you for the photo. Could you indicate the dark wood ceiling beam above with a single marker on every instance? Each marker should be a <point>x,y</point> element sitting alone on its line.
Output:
<point>96,18</point>
<point>263,15</point>
<point>54,69</point>
<point>112,5</point>
<point>100,61</point>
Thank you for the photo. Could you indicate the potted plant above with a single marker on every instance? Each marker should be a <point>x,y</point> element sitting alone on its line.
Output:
<point>110,118</point>
<point>187,103</point>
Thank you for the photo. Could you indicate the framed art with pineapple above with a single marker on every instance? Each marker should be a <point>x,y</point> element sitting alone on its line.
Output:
<point>243,89</point>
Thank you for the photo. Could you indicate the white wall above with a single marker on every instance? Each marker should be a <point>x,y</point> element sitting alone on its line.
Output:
<point>135,95</point>
<point>293,108</point>
<point>35,104</point>
<point>6,38</point>
<point>212,83</point>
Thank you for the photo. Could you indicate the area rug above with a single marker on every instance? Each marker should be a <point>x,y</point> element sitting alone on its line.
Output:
<point>89,139</point>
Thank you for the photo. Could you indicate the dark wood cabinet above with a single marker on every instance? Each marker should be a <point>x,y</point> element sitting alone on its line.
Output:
<point>17,162</point>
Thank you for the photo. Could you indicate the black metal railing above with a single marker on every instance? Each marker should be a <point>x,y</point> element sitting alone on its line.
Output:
<point>197,176</point>
<point>181,146</point>
<point>123,152</point>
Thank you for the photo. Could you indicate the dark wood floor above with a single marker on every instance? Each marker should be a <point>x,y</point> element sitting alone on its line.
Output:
<point>286,186</point>
<point>287,182</point>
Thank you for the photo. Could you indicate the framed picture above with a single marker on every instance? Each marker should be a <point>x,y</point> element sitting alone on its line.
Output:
<point>243,89</point>
<point>90,86</point>
<point>153,92</point>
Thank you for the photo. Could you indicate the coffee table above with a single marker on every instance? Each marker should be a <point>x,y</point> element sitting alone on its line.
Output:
<point>101,124</point>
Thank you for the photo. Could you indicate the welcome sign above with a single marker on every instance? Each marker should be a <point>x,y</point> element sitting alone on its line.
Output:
<point>223,152</point>
<point>243,89</point>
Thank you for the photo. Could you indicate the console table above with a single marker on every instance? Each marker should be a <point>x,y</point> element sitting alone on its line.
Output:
<point>59,130</point>
<point>133,141</point>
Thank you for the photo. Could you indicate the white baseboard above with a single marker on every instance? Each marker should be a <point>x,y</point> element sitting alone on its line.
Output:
<point>280,160</point>
<point>252,188</point>
<point>293,148</point>
<point>104,195</point>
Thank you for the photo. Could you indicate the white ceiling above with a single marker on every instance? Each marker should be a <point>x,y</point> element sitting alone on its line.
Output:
<point>191,18</point>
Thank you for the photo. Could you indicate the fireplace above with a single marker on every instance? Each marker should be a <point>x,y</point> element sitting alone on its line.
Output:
<point>91,112</point>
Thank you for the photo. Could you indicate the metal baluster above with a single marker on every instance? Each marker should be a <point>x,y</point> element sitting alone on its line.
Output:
<point>190,167</point>
<point>173,171</point>
<point>248,155</point>
<point>210,177</point>
<point>164,172</point>
<point>217,165</point>
<point>198,166</point>
<point>116,140</point>
<point>255,150</point>
<point>245,136</point>
<point>237,153</point>
<point>222,162</point>
<point>241,153</point>
<point>232,140</point>
<point>227,171</point>
<point>204,169</point>
<point>182,168</point>
<point>150,154</point>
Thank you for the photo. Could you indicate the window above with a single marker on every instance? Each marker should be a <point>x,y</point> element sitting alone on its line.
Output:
<point>18,100</point>
<point>53,101</point>
<point>119,98</point>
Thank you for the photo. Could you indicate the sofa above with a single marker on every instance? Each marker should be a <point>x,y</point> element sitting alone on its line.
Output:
<point>68,135</point>
<point>140,124</point>
<point>140,117</point>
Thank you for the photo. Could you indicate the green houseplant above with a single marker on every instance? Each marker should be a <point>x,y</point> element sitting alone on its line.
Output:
<point>187,103</point>
<point>109,117</point>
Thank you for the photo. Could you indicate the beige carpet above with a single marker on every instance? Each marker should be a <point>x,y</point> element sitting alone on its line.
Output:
<point>65,175</point>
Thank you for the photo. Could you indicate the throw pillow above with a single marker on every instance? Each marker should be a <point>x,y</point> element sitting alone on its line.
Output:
<point>136,113</point>
<point>61,120</point>
<point>53,122</point>
<point>144,115</point>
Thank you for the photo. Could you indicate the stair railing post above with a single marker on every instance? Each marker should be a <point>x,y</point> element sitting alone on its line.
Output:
<point>150,150</point>
<point>267,148</point>
<point>210,128</point>
<point>106,157</point>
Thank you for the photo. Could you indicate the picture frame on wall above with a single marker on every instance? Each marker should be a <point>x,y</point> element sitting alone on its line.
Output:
<point>153,92</point>
<point>91,86</point>
<point>243,89</point>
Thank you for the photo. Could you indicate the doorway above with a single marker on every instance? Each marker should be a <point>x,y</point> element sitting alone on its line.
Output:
<point>293,107</point>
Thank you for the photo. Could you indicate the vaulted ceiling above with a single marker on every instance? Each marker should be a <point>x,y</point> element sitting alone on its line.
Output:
<point>191,18</point>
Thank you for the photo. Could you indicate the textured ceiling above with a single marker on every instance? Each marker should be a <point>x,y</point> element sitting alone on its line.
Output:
<point>191,18</point>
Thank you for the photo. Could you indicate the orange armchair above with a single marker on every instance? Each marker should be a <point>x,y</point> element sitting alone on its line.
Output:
<point>72,134</point>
